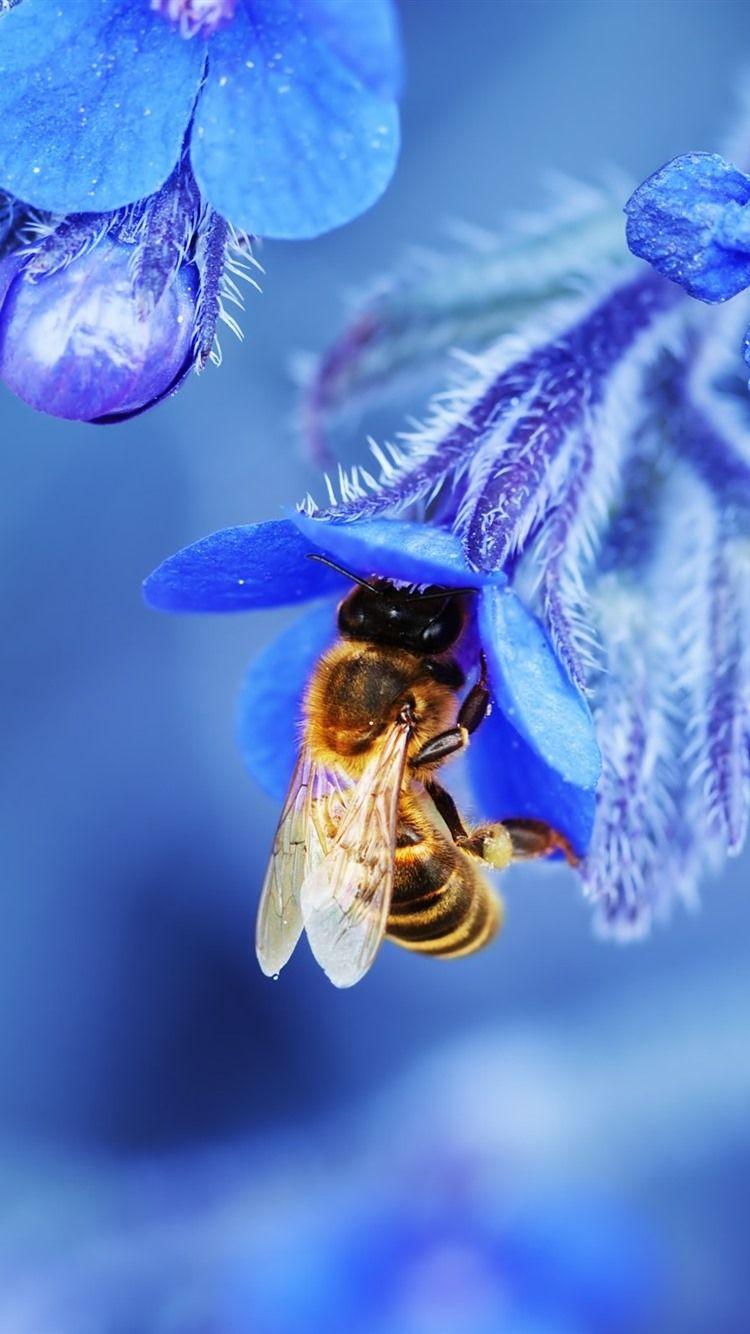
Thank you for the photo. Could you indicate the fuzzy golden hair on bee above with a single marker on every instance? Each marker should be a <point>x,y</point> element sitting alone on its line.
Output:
<point>356,692</point>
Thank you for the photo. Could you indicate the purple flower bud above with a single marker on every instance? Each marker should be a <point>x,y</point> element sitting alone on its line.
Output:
<point>76,342</point>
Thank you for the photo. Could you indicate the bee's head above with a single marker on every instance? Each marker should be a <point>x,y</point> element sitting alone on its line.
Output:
<point>422,622</point>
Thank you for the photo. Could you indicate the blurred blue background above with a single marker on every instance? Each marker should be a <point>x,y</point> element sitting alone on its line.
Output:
<point>552,1137</point>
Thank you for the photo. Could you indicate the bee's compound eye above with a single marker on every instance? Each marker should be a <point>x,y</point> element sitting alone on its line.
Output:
<point>444,630</point>
<point>355,613</point>
<point>350,616</point>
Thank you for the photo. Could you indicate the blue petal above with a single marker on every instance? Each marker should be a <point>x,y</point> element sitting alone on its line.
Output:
<point>237,569</point>
<point>365,37</point>
<point>534,692</point>
<point>415,552</point>
<point>95,99</point>
<point>289,140</point>
<point>509,779</point>
<point>270,708</point>
<point>690,222</point>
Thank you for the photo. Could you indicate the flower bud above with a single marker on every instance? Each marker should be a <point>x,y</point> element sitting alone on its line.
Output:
<point>76,342</point>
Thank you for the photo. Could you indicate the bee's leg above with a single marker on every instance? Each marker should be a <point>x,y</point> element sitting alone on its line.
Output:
<point>490,843</point>
<point>533,838</point>
<point>474,708</point>
<point>446,809</point>
<point>439,747</point>
<point>472,712</point>
<point>515,840</point>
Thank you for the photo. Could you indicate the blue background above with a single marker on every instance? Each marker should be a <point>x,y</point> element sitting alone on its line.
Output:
<point>598,1092</point>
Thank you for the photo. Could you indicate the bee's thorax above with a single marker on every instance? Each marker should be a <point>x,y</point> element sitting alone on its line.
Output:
<point>358,690</point>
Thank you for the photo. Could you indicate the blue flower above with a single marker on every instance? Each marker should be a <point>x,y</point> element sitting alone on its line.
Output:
<point>286,107</point>
<point>135,165</point>
<point>535,756</point>
<point>691,222</point>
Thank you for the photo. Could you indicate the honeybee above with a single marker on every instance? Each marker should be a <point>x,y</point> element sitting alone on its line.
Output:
<point>369,844</point>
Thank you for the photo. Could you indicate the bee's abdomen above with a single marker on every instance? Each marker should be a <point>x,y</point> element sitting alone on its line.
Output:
<point>441,904</point>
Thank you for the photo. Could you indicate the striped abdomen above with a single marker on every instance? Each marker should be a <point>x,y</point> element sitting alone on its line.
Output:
<point>441,904</point>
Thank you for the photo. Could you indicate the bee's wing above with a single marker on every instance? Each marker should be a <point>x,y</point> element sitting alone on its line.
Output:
<point>301,842</point>
<point>346,897</point>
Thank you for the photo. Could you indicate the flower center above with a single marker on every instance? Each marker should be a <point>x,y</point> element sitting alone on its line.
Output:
<point>196,17</point>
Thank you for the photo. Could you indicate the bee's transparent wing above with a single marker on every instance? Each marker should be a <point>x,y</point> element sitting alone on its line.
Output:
<point>346,897</point>
<point>311,811</point>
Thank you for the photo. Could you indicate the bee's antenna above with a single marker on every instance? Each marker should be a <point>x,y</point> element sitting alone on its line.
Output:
<point>443,593</point>
<point>324,560</point>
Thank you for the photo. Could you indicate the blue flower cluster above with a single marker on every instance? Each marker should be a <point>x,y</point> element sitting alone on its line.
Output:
<point>585,476</point>
<point>589,476</point>
<point>143,145</point>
